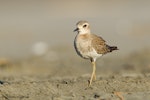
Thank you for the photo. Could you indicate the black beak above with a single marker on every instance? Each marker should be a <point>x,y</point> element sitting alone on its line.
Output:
<point>76,29</point>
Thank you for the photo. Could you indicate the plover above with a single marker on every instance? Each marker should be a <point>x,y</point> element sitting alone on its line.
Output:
<point>90,46</point>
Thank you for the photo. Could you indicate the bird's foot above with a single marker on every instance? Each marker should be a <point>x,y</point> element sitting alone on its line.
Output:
<point>119,94</point>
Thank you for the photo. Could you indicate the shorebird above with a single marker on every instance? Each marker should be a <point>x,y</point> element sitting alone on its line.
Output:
<point>90,46</point>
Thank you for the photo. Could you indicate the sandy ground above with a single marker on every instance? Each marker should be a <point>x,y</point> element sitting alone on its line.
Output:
<point>66,78</point>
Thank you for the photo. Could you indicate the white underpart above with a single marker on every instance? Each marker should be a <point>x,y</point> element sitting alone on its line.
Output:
<point>94,54</point>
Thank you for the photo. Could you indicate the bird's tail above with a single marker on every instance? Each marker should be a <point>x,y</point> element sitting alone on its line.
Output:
<point>112,48</point>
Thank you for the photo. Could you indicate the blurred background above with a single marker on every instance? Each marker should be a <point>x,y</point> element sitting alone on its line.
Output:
<point>43,30</point>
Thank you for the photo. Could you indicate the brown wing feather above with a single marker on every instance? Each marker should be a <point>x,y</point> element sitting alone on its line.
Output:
<point>98,43</point>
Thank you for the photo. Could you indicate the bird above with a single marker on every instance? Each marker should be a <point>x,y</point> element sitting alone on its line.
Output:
<point>90,46</point>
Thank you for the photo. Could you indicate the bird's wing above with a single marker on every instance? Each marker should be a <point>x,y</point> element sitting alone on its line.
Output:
<point>98,43</point>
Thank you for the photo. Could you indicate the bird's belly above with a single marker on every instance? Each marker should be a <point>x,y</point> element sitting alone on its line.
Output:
<point>85,50</point>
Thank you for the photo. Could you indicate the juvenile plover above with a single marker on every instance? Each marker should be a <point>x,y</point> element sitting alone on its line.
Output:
<point>90,46</point>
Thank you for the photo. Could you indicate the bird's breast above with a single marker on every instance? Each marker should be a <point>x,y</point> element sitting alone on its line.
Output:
<point>83,46</point>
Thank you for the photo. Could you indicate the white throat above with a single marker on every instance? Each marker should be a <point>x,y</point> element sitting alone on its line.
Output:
<point>82,31</point>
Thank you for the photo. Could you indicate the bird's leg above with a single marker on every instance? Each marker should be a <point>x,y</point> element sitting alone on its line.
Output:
<point>93,73</point>
<point>94,69</point>
<point>94,77</point>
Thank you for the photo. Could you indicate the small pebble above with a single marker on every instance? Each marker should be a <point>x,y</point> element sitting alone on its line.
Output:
<point>1,82</point>
<point>96,96</point>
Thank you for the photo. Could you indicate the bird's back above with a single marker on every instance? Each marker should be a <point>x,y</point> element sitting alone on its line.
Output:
<point>99,44</point>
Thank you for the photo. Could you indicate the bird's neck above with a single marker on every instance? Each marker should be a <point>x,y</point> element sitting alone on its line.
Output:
<point>84,32</point>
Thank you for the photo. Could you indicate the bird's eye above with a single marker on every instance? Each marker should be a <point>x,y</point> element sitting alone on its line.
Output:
<point>84,26</point>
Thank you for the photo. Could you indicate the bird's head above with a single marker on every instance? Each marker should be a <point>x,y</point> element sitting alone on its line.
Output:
<point>83,27</point>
